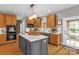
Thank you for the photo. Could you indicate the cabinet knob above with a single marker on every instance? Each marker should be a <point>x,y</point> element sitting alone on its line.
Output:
<point>44,41</point>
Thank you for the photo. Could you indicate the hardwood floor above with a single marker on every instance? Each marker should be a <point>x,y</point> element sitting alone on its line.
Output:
<point>9,50</point>
<point>52,50</point>
<point>61,50</point>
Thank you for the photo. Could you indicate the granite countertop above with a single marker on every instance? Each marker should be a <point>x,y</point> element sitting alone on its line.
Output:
<point>33,37</point>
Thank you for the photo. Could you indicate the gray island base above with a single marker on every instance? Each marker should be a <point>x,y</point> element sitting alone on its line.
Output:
<point>33,45</point>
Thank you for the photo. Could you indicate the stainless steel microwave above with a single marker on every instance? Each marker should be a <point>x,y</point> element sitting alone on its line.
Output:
<point>11,28</point>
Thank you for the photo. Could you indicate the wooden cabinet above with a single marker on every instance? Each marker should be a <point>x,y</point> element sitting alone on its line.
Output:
<point>2,20</point>
<point>55,39</point>
<point>38,22</point>
<point>2,38</point>
<point>7,19</point>
<point>13,19</point>
<point>51,21</point>
<point>10,19</point>
<point>30,21</point>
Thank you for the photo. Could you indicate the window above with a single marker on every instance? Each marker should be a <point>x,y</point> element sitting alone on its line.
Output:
<point>74,27</point>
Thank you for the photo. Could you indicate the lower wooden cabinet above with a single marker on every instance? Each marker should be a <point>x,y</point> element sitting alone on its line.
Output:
<point>2,38</point>
<point>55,39</point>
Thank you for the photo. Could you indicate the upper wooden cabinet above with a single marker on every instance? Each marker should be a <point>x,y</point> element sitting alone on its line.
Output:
<point>10,19</point>
<point>2,20</point>
<point>30,21</point>
<point>51,21</point>
<point>38,22</point>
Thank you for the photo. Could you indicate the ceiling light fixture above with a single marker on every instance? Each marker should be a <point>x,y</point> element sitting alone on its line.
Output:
<point>33,17</point>
<point>32,5</point>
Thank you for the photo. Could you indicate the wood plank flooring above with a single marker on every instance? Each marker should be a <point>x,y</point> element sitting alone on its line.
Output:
<point>52,50</point>
<point>61,50</point>
<point>9,50</point>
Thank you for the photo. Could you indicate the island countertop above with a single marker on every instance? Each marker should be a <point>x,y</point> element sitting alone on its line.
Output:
<point>33,37</point>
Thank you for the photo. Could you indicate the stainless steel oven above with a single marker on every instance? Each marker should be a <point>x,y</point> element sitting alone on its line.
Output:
<point>11,37</point>
<point>11,32</point>
<point>11,28</point>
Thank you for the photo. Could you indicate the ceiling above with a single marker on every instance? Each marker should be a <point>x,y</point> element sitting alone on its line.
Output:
<point>69,12</point>
<point>24,10</point>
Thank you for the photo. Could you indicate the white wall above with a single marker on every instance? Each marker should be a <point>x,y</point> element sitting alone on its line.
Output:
<point>22,26</point>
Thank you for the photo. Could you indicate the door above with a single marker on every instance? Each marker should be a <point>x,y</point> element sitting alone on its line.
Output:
<point>73,34</point>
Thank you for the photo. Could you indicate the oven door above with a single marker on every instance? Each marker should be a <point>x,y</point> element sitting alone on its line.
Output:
<point>11,37</point>
<point>11,29</point>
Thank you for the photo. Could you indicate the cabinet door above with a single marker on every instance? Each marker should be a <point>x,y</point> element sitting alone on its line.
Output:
<point>10,19</point>
<point>22,44</point>
<point>2,20</point>
<point>37,47</point>
<point>30,21</point>
<point>13,20</point>
<point>38,22</point>
<point>45,46</point>
<point>2,38</point>
<point>48,21</point>
<point>51,21</point>
<point>54,39</point>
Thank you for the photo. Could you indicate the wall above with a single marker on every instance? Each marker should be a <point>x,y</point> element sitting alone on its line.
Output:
<point>22,26</point>
<point>59,27</point>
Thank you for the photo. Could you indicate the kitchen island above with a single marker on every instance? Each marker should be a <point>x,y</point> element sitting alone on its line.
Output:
<point>33,44</point>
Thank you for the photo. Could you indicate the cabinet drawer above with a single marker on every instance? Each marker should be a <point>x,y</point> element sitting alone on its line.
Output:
<point>55,39</point>
<point>2,38</point>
